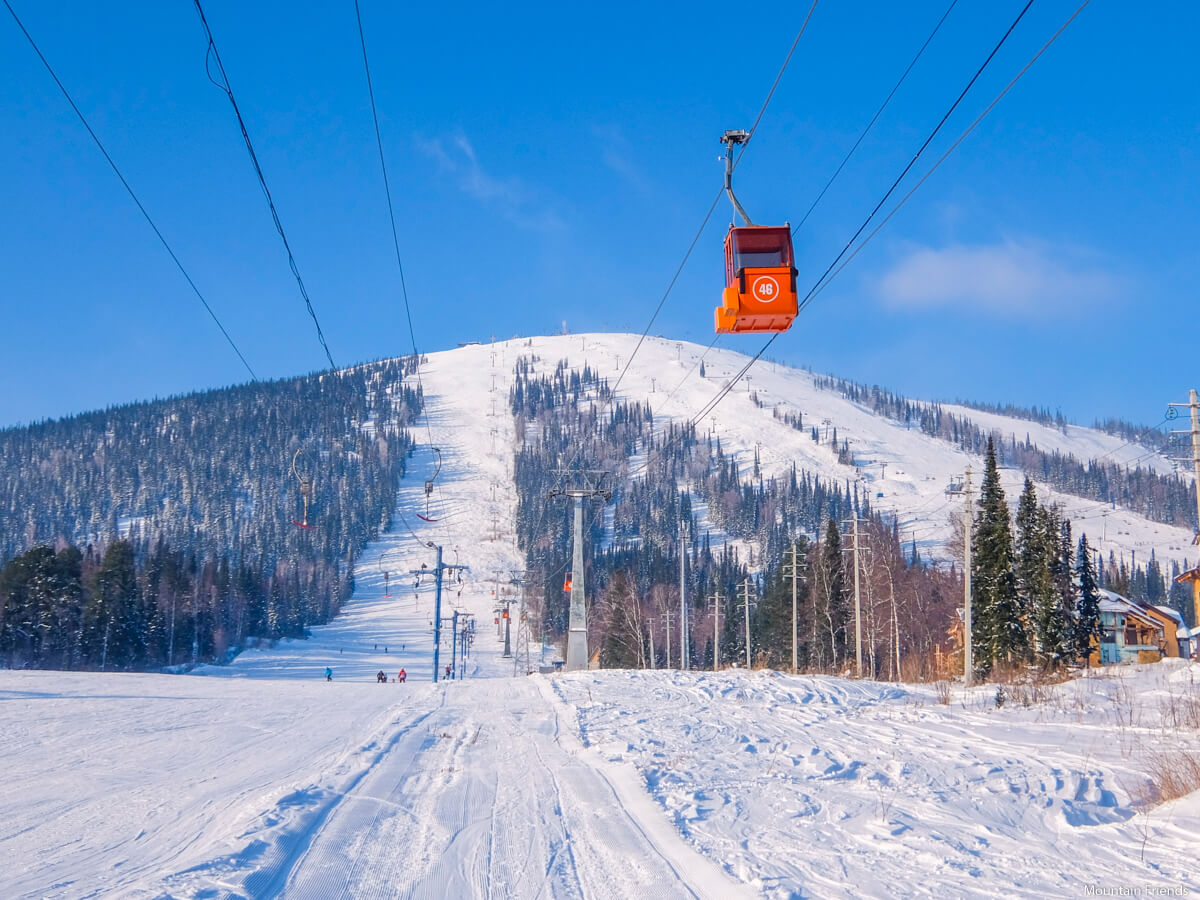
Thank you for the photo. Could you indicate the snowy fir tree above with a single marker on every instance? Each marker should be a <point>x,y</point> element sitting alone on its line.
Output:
<point>998,635</point>
<point>1087,621</point>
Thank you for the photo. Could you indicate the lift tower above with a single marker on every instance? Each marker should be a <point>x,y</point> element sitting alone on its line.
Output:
<point>589,486</point>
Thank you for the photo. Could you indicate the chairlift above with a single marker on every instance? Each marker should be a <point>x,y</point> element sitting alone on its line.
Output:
<point>387,591</point>
<point>429,487</point>
<point>305,477</point>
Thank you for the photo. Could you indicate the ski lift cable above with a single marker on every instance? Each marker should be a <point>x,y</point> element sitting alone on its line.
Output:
<point>875,118</point>
<point>824,281</point>
<point>912,162</point>
<point>214,55</point>
<point>387,189</point>
<point>133,196</point>
<point>713,206</point>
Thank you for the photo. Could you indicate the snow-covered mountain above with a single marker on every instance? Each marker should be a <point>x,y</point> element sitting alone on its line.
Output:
<point>902,470</point>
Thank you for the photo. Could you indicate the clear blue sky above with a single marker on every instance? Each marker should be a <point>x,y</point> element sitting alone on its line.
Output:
<point>551,162</point>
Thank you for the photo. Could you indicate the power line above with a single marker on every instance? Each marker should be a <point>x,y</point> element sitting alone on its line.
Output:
<point>875,118</point>
<point>129,190</point>
<point>224,85</point>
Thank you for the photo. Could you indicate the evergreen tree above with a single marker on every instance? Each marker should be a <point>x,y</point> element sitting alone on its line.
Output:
<point>1087,622</point>
<point>116,625</point>
<point>1032,566</point>
<point>1060,631</point>
<point>998,635</point>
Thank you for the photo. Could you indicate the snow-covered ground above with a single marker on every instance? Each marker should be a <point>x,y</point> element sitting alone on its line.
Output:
<point>265,780</point>
<point>604,784</point>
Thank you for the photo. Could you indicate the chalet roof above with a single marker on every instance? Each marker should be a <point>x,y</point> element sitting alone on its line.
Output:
<point>1112,602</point>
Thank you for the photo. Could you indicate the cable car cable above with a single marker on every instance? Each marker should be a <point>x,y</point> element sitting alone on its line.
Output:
<point>130,191</point>
<point>213,53</point>
<point>875,118</point>
<point>895,184</point>
<point>819,286</point>
<point>395,237</point>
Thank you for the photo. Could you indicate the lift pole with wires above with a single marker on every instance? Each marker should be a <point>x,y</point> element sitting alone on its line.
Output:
<point>792,571</point>
<point>968,527</point>
<point>577,648</point>
<point>683,616</point>
<point>715,599</point>
<point>438,571</point>
<point>1193,405</point>
<point>857,604</point>
<point>746,607</point>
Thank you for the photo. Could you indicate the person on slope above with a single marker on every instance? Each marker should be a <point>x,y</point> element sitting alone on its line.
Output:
<point>380,677</point>
<point>447,671</point>
<point>328,674</point>
<point>403,675</point>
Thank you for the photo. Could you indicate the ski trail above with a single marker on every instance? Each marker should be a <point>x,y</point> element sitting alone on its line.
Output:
<point>489,798</point>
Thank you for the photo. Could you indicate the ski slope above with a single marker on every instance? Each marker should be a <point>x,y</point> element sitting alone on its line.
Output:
<point>261,779</point>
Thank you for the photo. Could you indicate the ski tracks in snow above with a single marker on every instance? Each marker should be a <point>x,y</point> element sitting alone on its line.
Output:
<point>475,792</point>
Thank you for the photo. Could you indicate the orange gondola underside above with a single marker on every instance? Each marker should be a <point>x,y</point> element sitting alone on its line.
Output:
<point>760,281</point>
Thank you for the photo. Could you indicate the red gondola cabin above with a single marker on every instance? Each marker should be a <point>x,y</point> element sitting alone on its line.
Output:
<point>760,281</point>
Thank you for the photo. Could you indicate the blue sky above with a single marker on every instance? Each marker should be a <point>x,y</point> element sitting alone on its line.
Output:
<point>551,162</point>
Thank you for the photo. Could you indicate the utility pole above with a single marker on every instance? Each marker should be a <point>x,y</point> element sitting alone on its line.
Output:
<point>453,644</point>
<point>746,605</point>
<point>968,640</point>
<point>577,648</point>
<point>792,571</point>
<point>438,571</point>
<point>683,616</point>
<point>1193,406</point>
<point>667,616</point>
<point>650,626</point>
<point>968,526</point>
<point>716,602</point>
<point>857,604</point>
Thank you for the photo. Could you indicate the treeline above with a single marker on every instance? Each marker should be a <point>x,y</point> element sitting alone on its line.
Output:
<point>1160,498</point>
<point>76,609</point>
<point>209,478</point>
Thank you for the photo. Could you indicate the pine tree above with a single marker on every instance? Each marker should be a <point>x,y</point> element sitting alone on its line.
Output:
<point>1087,622</point>
<point>999,635</point>
<point>1060,632</point>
